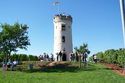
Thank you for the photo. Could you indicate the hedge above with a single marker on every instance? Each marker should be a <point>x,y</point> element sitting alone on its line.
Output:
<point>20,57</point>
<point>111,56</point>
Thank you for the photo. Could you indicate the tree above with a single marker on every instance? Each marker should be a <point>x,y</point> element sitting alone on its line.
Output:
<point>13,37</point>
<point>1,56</point>
<point>32,58</point>
<point>23,57</point>
<point>82,51</point>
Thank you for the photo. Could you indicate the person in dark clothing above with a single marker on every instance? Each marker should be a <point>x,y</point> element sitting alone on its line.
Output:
<point>60,56</point>
<point>52,58</point>
<point>77,57</point>
<point>57,56</point>
<point>64,57</point>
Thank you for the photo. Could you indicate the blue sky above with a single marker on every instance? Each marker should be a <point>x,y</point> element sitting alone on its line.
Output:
<point>96,22</point>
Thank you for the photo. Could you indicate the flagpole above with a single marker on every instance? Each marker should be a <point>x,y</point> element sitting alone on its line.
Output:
<point>58,9</point>
<point>57,4</point>
<point>123,18</point>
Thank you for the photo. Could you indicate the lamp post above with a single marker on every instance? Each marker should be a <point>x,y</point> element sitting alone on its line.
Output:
<point>122,7</point>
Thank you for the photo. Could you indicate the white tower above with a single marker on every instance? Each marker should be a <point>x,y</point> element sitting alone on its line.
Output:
<point>63,34</point>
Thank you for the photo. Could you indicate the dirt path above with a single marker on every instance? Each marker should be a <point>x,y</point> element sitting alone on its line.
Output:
<point>115,68</point>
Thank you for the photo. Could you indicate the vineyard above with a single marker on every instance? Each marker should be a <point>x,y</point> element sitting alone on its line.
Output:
<point>111,56</point>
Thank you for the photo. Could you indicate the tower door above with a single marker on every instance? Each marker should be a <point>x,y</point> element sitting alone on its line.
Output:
<point>64,57</point>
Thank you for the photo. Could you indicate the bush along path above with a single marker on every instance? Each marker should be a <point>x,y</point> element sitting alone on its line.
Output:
<point>112,56</point>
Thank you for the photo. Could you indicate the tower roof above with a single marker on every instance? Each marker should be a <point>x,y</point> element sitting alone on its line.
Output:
<point>63,17</point>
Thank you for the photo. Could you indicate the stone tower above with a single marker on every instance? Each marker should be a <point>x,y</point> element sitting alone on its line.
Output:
<point>63,35</point>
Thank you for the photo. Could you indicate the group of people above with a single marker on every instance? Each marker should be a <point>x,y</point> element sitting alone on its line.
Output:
<point>61,56</point>
<point>76,57</point>
<point>9,64</point>
<point>46,57</point>
<point>72,57</point>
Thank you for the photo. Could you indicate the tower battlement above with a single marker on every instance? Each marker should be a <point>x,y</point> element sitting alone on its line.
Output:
<point>60,17</point>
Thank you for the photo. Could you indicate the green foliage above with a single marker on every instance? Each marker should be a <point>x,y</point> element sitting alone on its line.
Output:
<point>83,49</point>
<point>19,57</point>
<point>82,52</point>
<point>100,56</point>
<point>33,58</point>
<point>13,37</point>
<point>1,56</point>
<point>24,57</point>
<point>112,56</point>
<point>121,57</point>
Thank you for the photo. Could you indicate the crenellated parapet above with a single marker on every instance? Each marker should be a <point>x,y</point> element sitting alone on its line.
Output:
<point>62,17</point>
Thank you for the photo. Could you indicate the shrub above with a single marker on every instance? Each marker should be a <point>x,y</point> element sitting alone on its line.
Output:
<point>112,56</point>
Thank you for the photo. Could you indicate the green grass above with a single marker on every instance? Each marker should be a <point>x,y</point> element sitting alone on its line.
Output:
<point>94,73</point>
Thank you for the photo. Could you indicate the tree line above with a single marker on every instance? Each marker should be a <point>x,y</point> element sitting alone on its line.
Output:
<point>19,57</point>
<point>112,56</point>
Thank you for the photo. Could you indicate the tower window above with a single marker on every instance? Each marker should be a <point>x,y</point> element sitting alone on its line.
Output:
<point>63,27</point>
<point>64,49</point>
<point>63,39</point>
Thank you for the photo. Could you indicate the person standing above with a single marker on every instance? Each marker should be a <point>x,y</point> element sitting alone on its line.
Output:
<point>57,56</point>
<point>4,63</point>
<point>52,57</point>
<point>95,58</point>
<point>71,57</point>
<point>60,56</point>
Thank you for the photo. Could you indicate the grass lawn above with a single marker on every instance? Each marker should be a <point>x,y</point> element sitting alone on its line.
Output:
<point>94,73</point>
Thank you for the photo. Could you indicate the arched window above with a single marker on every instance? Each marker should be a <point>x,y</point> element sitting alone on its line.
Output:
<point>63,39</point>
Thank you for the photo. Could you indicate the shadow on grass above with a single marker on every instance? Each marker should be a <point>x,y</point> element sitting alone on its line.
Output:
<point>60,67</point>
<point>54,69</point>
<point>66,68</point>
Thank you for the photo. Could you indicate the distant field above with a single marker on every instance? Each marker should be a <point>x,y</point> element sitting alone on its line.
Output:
<point>94,73</point>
